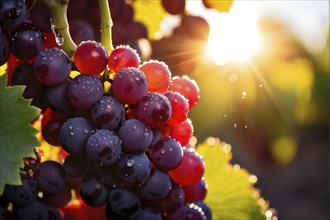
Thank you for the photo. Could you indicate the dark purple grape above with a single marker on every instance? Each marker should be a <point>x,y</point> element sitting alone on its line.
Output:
<point>75,166</point>
<point>108,112</point>
<point>166,154</point>
<point>40,17</point>
<point>136,137</point>
<point>111,215</point>
<point>133,170</point>
<point>74,134</point>
<point>124,202</point>
<point>57,97</point>
<point>205,208</point>
<point>92,191</point>
<point>195,192</point>
<point>24,194</point>
<point>157,187</point>
<point>25,41</point>
<point>84,91</point>
<point>137,30</point>
<point>24,75</point>
<point>50,176</point>
<point>154,109</point>
<point>34,211</point>
<point>59,199</point>
<point>52,66</point>
<point>146,213</point>
<point>189,212</point>
<point>81,30</point>
<point>129,85</point>
<point>107,176</point>
<point>103,147</point>
<point>195,27</point>
<point>174,7</point>
<point>12,13</point>
<point>4,48</point>
<point>173,201</point>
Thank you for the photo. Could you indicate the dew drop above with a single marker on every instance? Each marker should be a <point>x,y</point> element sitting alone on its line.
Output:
<point>86,131</point>
<point>130,163</point>
<point>162,151</point>
<point>71,133</point>
<point>235,125</point>
<point>71,127</point>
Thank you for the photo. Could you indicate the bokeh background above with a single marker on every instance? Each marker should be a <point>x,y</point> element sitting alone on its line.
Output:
<point>264,83</point>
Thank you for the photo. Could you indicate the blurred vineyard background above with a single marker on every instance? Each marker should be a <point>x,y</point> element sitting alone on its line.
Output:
<point>263,72</point>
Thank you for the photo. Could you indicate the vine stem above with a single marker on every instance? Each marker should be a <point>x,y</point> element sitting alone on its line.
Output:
<point>58,12</point>
<point>106,25</point>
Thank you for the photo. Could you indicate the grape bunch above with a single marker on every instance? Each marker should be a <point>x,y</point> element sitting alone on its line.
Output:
<point>122,123</point>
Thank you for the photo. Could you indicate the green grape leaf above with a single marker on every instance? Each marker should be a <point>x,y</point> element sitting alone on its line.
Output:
<point>150,13</point>
<point>17,136</point>
<point>230,194</point>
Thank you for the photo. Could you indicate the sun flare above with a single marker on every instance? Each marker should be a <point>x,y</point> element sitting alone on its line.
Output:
<point>233,36</point>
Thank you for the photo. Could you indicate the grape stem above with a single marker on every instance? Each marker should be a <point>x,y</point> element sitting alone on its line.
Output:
<point>58,12</point>
<point>106,25</point>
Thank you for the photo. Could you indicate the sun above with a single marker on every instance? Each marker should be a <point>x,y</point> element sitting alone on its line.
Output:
<point>234,36</point>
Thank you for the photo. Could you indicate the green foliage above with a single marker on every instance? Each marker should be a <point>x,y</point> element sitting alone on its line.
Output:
<point>150,13</point>
<point>230,189</point>
<point>17,136</point>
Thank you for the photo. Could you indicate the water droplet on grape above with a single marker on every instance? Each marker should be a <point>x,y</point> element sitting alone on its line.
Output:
<point>162,151</point>
<point>86,131</point>
<point>235,125</point>
<point>130,163</point>
<point>71,133</point>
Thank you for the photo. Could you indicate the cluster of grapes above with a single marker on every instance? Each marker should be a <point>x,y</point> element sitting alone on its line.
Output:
<point>128,143</point>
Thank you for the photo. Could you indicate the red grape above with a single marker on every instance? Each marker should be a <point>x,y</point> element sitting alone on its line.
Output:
<point>196,192</point>
<point>123,56</point>
<point>180,107</point>
<point>190,170</point>
<point>181,132</point>
<point>90,57</point>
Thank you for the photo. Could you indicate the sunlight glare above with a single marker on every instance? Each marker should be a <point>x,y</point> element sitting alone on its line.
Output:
<point>233,36</point>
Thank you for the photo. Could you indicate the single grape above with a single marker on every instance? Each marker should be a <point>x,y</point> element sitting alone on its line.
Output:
<point>190,170</point>
<point>50,126</point>
<point>146,213</point>
<point>154,109</point>
<point>59,199</point>
<point>4,48</point>
<point>57,97</point>
<point>25,41</point>
<point>12,13</point>
<point>189,212</point>
<point>157,187</point>
<point>74,134</point>
<point>129,85</point>
<point>180,107</point>
<point>133,170</point>
<point>123,201</point>
<point>107,176</point>
<point>84,91</point>
<point>50,176</point>
<point>34,211</point>
<point>92,191</point>
<point>173,201</point>
<point>122,57</point>
<point>52,66</point>
<point>205,208</point>
<point>90,57</point>
<point>195,192</point>
<point>75,166</point>
<point>108,113</point>
<point>158,75</point>
<point>103,147</point>
<point>22,195</point>
<point>110,214</point>
<point>81,30</point>
<point>182,132</point>
<point>174,7</point>
<point>166,154</point>
<point>186,87</point>
<point>136,137</point>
